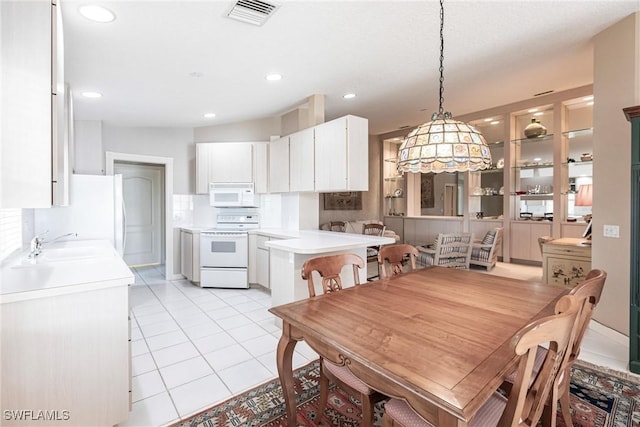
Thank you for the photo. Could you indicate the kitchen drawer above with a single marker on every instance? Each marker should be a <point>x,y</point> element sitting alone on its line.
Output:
<point>565,250</point>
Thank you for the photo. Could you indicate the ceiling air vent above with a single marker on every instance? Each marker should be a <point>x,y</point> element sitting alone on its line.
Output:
<point>254,12</point>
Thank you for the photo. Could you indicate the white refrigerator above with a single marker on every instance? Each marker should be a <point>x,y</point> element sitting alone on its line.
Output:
<point>96,211</point>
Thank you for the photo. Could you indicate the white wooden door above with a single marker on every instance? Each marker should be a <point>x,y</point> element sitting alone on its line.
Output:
<point>450,200</point>
<point>142,189</point>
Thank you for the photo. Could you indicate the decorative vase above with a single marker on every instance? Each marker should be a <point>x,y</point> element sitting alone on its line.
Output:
<point>534,129</point>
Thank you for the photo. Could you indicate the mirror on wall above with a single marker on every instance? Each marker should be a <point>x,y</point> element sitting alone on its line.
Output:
<point>441,194</point>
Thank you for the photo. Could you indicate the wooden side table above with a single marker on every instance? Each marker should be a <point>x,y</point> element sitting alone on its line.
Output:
<point>566,261</point>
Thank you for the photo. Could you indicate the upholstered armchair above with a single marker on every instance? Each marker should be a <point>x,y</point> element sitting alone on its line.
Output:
<point>485,253</point>
<point>449,250</point>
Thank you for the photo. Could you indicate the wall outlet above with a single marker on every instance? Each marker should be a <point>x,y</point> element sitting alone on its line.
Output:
<point>611,231</point>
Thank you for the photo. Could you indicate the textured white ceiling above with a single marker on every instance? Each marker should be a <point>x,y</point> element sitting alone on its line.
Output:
<point>496,52</point>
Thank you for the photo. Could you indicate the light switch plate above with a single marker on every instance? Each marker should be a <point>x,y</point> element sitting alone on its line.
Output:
<point>611,231</point>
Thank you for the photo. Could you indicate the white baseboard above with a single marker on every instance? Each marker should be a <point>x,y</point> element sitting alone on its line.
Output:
<point>609,333</point>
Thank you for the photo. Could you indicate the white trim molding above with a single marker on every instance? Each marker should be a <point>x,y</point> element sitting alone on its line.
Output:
<point>112,157</point>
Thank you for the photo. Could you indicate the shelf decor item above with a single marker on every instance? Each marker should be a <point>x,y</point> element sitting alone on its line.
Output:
<point>535,129</point>
<point>443,144</point>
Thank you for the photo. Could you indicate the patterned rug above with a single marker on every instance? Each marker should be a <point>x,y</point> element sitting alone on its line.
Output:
<point>600,397</point>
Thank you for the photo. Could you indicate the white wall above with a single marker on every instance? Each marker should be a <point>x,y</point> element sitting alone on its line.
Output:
<point>252,130</point>
<point>616,85</point>
<point>176,143</point>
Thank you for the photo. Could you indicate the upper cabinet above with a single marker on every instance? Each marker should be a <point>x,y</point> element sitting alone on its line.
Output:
<point>279,165</point>
<point>301,161</point>
<point>261,167</point>
<point>341,155</point>
<point>34,161</point>
<point>223,162</point>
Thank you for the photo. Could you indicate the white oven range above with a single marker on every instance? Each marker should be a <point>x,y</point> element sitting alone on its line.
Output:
<point>224,251</point>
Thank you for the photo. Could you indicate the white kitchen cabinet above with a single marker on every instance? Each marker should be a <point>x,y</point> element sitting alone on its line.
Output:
<point>65,337</point>
<point>262,261</point>
<point>34,163</point>
<point>190,255</point>
<point>301,161</point>
<point>524,239</point>
<point>279,165</point>
<point>261,167</point>
<point>342,155</point>
<point>223,162</point>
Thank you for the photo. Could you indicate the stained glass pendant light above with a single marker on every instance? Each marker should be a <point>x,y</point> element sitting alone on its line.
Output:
<point>443,144</point>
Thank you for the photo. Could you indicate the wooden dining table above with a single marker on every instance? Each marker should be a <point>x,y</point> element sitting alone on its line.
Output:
<point>442,339</point>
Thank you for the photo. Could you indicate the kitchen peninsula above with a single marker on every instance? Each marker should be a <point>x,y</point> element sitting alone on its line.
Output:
<point>294,247</point>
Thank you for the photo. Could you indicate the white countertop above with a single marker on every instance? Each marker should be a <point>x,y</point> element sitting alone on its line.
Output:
<point>319,241</point>
<point>63,268</point>
<point>195,228</point>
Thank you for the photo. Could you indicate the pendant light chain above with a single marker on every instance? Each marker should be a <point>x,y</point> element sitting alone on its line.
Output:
<point>440,109</point>
<point>443,144</point>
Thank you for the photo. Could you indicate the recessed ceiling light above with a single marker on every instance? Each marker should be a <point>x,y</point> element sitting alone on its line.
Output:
<point>489,119</point>
<point>274,77</point>
<point>495,122</point>
<point>210,115</point>
<point>590,103</point>
<point>92,94</point>
<point>97,13</point>
<point>537,159</point>
<point>539,113</point>
<point>349,96</point>
<point>588,98</point>
<point>533,110</point>
<point>196,74</point>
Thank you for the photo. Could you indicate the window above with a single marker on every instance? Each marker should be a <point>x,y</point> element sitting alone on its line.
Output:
<point>10,231</point>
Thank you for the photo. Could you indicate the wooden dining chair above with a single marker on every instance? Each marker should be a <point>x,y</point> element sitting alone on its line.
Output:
<point>373,229</point>
<point>396,256</point>
<point>588,292</point>
<point>329,268</point>
<point>525,403</point>
<point>339,226</point>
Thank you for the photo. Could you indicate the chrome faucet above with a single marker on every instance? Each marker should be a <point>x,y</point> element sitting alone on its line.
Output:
<point>38,241</point>
<point>36,246</point>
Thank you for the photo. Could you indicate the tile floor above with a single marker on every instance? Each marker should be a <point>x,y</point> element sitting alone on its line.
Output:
<point>194,347</point>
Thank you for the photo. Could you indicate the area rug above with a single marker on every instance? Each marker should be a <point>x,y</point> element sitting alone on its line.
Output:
<point>600,397</point>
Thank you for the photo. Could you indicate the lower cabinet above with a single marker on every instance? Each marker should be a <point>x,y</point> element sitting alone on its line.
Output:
<point>190,255</point>
<point>259,260</point>
<point>524,239</point>
<point>262,261</point>
<point>566,261</point>
<point>66,357</point>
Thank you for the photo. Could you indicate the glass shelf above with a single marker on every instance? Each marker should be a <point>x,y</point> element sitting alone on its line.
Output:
<point>493,170</point>
<point>540,196</point>
<point>394,197</point>
<point>579,162</point>
<point>486,195</point>
<point>534,166</point>
<point>578,132</point>
<point>395,178</point>
<point>536,139</point>
<point>391,160</point>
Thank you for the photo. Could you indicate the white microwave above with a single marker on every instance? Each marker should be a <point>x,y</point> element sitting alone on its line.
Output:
<point>232,195</point>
